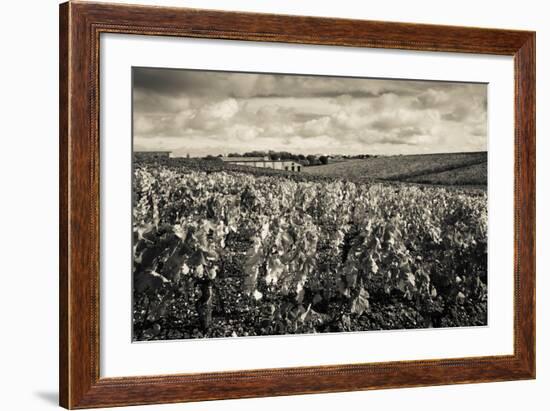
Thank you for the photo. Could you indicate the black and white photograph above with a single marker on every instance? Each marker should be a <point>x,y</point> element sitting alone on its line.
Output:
<point>277,204</point>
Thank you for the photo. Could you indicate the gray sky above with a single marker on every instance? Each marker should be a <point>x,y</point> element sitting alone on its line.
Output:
<point>203,112</point>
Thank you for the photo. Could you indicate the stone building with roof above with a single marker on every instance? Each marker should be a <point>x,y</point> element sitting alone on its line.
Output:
<point>264,162</point>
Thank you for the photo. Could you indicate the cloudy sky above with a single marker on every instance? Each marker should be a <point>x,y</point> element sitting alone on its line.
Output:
<point>204,112</point>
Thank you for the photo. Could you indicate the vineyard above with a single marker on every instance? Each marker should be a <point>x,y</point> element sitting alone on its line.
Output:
<point>466,169</point>
<point>228,253</point>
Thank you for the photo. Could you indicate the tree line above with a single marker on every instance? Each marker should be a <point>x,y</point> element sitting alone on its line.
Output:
<point>303,159</point>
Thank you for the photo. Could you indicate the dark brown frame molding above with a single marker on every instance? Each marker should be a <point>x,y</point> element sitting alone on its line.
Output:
<point>81,24</point>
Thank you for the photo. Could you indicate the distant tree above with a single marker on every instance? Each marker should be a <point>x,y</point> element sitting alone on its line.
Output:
<point>323,160</point>
<point>210,157</point>
<point>311,158</point>
<point>304,162</point>
<point>234,155</point>
<point>255,154</point>
<point>301,157</point>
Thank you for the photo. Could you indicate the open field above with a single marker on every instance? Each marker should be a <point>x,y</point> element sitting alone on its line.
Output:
<point>445,169</point>
<point>475,174</point>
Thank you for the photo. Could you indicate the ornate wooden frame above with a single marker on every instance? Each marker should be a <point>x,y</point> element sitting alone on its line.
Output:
<point>80,27</point>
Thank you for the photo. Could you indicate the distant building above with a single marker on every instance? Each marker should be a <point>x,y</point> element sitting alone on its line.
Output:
<point>152,155</point>
<point>264,162</point>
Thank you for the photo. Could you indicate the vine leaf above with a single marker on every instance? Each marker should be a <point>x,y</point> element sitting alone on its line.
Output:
<point>361,303</point>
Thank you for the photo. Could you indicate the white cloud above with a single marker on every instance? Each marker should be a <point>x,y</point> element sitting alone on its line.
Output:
<point>316,127</point>
<point>210,113</point>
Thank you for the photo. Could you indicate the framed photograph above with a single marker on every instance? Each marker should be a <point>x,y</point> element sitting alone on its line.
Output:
<point>259,205</point>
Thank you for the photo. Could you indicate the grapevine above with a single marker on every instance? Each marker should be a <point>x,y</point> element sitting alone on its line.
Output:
<point>308,256</point>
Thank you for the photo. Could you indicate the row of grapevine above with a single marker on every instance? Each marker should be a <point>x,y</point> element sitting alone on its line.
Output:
<point>307,246</point>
